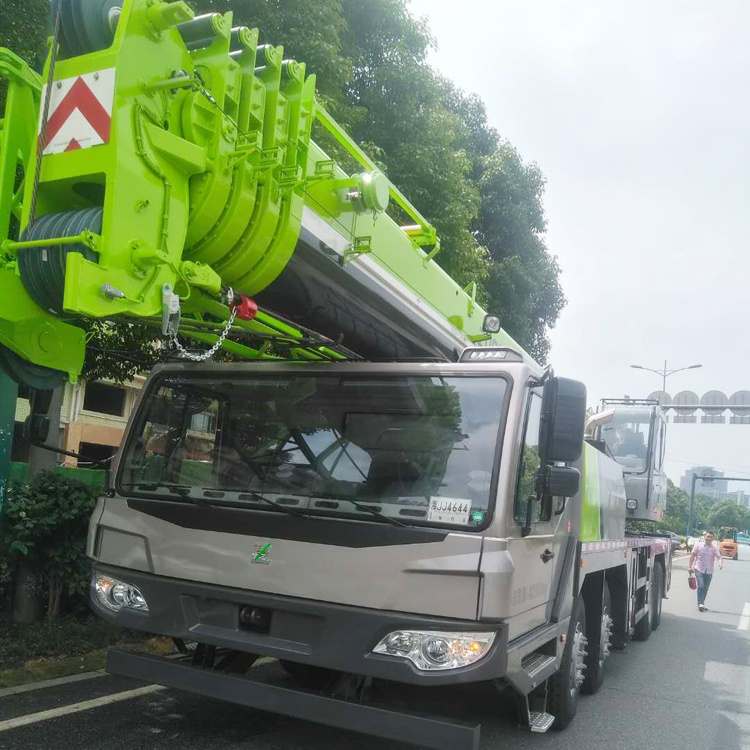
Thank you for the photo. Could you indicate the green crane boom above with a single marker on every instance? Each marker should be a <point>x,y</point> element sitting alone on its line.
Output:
<point>161,169</point>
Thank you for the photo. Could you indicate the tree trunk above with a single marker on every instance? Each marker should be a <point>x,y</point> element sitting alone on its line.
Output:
<point>54,596</point>
<point>27,597</point>
<point>28,601</point>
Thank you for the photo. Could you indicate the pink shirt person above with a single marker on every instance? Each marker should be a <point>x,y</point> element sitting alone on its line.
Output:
<point>705,557</point>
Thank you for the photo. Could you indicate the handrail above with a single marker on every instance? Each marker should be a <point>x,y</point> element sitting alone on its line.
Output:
<point>428,232</point>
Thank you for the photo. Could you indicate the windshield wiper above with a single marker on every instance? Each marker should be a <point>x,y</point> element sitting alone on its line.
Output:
<point>183,490</point>
<point>279,506</point>
<point>367,509</point>
<point>375,512</point>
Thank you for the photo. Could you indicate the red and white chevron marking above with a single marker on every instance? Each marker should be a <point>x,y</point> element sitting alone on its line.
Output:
<point>80,111</point>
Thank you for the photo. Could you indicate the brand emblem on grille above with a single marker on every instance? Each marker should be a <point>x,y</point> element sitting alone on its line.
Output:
<point>262,554</point>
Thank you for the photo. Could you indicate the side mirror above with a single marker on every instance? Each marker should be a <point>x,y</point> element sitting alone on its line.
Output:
<point>491,324</point>
<point>36,425</point>
<point>561,481</point>
<point>564,418</point>
<point>36,428</point>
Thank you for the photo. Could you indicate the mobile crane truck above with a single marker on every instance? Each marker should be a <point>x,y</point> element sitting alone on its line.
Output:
<point>387,493</point>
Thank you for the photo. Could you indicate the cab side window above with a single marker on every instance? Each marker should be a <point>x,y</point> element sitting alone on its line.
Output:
<point>656,447</point>
<point>529,463</point>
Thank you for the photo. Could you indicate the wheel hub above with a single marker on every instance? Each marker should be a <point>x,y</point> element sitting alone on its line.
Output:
<point>605,637</point>
<point>578,660</point>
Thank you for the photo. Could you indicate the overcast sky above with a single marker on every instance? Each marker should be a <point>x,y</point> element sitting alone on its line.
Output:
<point>637,113</point>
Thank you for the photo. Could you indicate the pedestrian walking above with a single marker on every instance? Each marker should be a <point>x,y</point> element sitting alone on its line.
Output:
<point>704,555</point>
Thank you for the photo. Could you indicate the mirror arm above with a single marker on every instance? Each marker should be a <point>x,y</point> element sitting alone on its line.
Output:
<point>104,464</point>
<point>540,484</point>
<point>526,530</point>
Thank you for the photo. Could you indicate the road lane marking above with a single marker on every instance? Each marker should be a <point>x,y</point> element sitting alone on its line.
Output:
<point>745,618</point>
<point>53,713</point>
<point>30,686</point>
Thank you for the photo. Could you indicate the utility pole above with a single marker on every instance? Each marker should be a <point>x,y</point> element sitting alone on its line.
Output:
<point>692,501</point>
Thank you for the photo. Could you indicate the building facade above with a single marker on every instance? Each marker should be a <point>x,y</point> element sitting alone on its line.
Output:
<point>715,488</point>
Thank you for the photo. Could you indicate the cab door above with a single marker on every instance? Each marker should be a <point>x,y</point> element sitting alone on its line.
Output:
<point>534,554</point>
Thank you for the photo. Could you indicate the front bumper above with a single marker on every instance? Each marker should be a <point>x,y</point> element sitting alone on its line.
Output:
<point>251,690</point>
<point>335,636</point>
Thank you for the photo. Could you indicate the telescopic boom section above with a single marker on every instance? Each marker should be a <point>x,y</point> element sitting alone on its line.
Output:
<point>168,171</point>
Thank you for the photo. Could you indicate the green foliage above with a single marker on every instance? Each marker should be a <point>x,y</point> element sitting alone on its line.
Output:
<point>728,513</point>
<point>45,523</point>
<point>707,513</point>
<point>69,636</point>
<point>23,29</point>
<point>118,350</point>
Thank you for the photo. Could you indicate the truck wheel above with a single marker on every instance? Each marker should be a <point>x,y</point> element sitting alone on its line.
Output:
<point>646,624</point>
<point>657,592</point>
<point>564,686</point>
<point>594,675</point>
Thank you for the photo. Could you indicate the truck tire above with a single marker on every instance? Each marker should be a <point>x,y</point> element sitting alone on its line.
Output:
<point>657,592</point>
<point>564,686</point>
<point>600,633</point>
<point>646,624</point>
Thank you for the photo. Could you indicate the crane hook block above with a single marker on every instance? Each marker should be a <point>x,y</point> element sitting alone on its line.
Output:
<point>245,308</point>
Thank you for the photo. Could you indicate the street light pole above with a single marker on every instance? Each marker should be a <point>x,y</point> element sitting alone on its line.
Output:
<point>665,373</point>
<point>692,501</point>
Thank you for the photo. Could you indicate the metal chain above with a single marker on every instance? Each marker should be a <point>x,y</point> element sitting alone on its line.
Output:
<point>210,353</point>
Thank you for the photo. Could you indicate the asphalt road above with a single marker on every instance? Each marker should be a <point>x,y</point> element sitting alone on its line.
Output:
<point>687,687</point>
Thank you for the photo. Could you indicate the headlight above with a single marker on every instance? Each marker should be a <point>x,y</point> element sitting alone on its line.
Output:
<point>631,504</point>
<point>115,595</point>
<point>429,651</point>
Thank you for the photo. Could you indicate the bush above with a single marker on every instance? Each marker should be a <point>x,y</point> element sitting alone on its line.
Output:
<point>45,523</point>
<point>68,636</point>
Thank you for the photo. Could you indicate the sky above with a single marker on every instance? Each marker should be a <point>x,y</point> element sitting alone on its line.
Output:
<point>637,113</point>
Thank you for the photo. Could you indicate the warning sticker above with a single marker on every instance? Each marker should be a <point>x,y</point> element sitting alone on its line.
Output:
<point>80,111</point>
<point>449,510</point>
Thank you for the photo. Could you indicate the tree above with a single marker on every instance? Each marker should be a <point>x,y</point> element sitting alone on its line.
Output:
<point>23,29</point>
<point>728,513</point>
<point>678,505</point>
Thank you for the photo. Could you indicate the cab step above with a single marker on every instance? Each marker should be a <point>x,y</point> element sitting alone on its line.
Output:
<point>540,721</point>
<point>532,712</point>
<point>536,665</point>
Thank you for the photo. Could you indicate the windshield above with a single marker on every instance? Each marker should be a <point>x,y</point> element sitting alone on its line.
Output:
<point>415,449</point>
<point>627,437</point>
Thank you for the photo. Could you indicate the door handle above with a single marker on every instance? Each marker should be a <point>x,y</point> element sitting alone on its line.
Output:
<point>547,555</point>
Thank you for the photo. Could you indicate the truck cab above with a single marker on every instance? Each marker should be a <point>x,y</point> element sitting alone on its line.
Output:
<point>633,433</point>
<point>415,522</point>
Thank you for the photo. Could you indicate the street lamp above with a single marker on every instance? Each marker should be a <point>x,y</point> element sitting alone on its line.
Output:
<point>665,373</point>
